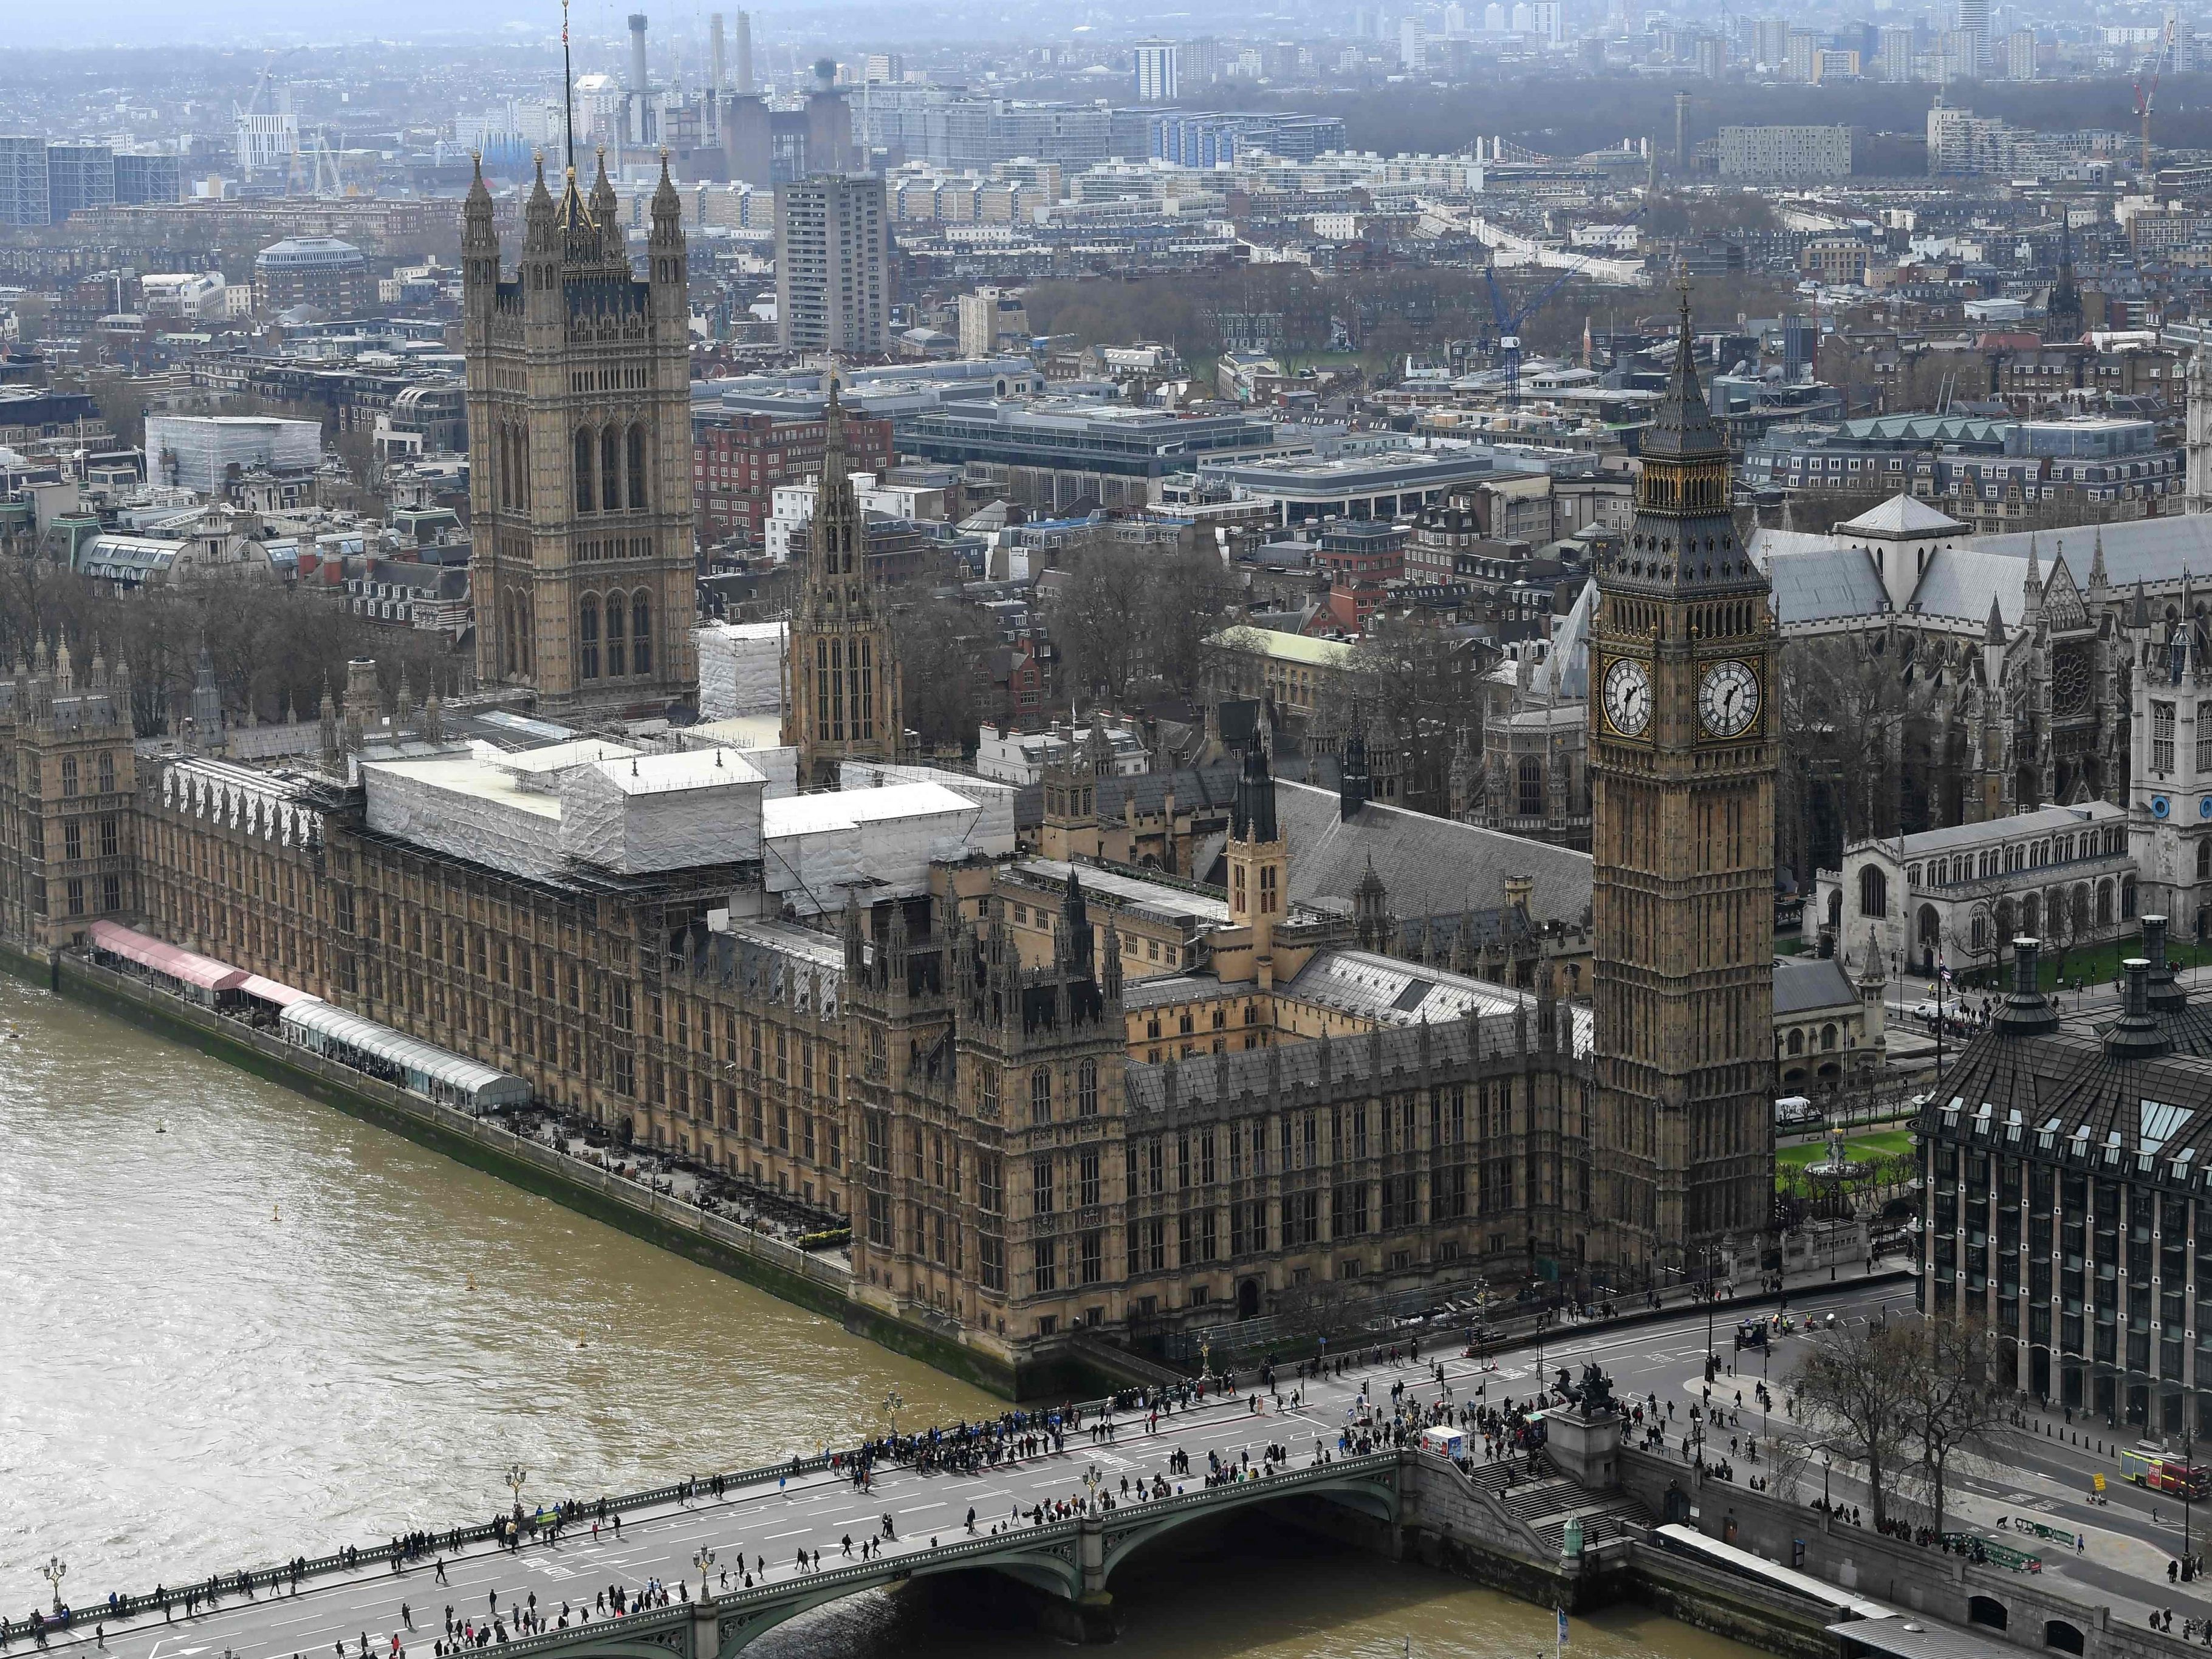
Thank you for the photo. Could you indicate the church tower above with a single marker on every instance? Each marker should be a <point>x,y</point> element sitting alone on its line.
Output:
<point>583,569</point>
<point>1683,765</point>
<point>842,700</point>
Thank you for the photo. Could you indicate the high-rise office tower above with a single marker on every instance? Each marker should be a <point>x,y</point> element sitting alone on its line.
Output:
<point>24,198</point>
<point>1159,71</point>
<point>832,263</point>
<point>1974,21</point>
<point>79,174</point>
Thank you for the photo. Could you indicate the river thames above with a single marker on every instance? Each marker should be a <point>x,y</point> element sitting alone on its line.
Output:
<point>242,1326</point>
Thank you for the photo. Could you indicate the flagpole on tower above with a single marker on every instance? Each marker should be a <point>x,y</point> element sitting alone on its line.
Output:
<point>567,88</point>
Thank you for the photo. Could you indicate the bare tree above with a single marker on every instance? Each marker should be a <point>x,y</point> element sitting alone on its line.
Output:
<point>1787,1467</point>
<point>942,651</point>
<point>1955,1406</point>
<point>1191,592</point>
<point>1844,710</point>
<point>1100,618</point>
<point>1858,1399</point>
<point>1423,684</point>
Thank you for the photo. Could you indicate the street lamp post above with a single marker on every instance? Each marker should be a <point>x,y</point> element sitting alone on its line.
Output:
<point>53,1572</point>
<point>1827,1462</point>
<point>704,1559</point>
<point>1712,1350</point>
<point>2188,1485</point>
<point>892,1406</point>
<point>517,1476</point>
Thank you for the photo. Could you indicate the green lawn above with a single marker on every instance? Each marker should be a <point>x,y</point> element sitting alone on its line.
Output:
<point>1885,1144</point>
<point>2099,964</point>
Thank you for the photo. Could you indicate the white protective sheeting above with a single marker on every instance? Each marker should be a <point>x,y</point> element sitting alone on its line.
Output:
<point>879,842</point>
<point>995,798</point>
<point>740,669</point>
<point>541,768</point>
<point>467,809</point>
<point>379,1051</point>
<point>671,811</point>
<point>779,766</point>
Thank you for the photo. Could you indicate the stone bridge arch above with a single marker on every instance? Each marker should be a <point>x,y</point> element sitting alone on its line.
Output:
<point>1048,1558</point>
<point>1370,1487</point>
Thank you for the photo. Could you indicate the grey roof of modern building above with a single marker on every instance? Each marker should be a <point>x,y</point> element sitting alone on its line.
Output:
<point>2065,1082</point>
<point>1430,867</point>
<point>1802,984</point>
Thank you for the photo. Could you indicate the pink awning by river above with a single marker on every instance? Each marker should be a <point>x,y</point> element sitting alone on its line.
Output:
<point>270,990</point>
<point>163,957</point>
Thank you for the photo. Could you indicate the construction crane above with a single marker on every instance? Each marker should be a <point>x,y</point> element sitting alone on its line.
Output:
<point>1508,321</point>
<point>2145,94</point>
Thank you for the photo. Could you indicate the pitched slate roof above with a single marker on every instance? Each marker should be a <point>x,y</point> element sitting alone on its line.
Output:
<point>1431,866</point>
<point>1825,585</point>
<point>1196,787</point>
<point>1802,984</point>
<point>1902,516</point>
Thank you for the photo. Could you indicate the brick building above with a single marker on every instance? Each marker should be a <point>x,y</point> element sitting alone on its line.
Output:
<point>737,460</point>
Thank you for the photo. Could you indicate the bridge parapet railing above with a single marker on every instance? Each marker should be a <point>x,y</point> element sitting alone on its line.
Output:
<point>861,1575</point>
<point>121,1606</point>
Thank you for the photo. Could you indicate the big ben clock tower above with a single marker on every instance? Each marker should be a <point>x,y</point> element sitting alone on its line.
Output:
<point>1682,769</point>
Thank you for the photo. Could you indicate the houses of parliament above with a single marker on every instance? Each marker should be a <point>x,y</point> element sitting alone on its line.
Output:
<point>1050,1098</point>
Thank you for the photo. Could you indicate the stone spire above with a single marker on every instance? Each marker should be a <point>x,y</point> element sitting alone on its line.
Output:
<point>478,236</point>
<point>537,215</point>
<point>2097,580</point>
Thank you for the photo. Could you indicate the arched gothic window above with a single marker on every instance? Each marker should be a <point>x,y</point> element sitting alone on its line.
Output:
<point>637,493</point>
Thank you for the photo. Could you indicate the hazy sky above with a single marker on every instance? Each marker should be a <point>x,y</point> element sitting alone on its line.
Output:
<point>248,22</point>
<point>230,22</point>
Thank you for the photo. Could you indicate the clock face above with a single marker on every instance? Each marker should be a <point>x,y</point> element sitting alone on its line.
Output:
<point>1727,699</point>
<point>1628,697</point>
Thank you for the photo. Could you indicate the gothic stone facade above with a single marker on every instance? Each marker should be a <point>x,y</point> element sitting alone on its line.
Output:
<point>579,400</point>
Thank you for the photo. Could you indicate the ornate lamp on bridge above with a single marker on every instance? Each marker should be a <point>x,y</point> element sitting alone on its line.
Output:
<point>53,1572</point>
<point>892,1406</point>
<point>516,1477</point>
<point>704,1559</point>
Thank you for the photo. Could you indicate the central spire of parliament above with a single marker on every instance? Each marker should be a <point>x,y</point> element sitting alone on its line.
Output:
<point>843,699</point>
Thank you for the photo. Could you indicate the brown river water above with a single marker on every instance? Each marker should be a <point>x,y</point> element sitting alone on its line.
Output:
<point>237,1326</point>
